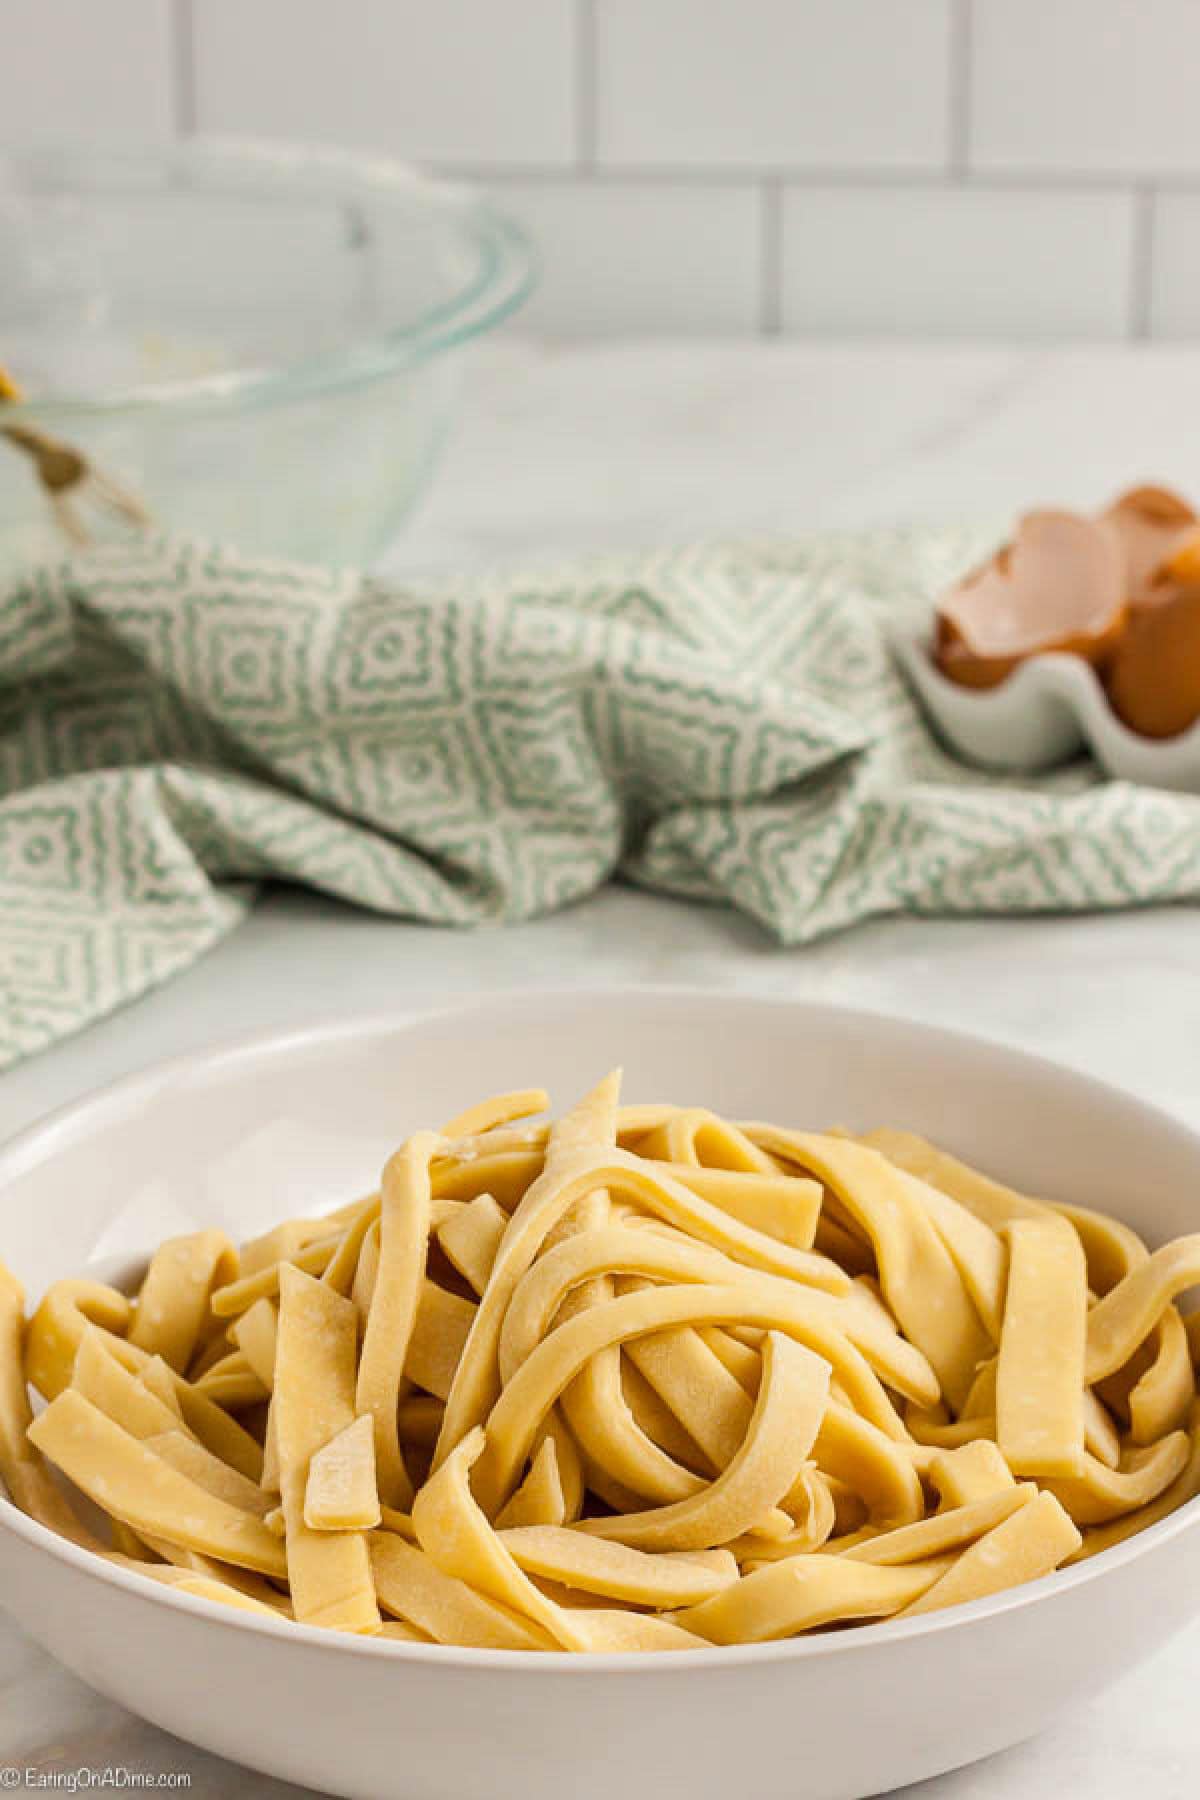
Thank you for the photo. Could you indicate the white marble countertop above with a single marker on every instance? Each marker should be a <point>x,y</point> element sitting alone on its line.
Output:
<point>587,448</point>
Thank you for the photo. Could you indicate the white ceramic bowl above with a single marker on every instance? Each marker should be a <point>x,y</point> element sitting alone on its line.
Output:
<point>243,1135</point>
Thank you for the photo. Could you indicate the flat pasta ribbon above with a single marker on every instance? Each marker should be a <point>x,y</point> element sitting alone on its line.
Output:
<point>642,1380</point>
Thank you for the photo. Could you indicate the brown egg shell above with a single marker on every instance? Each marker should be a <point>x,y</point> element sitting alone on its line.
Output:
<point>1058,587</point>
<point>1152,523</point>
<point>964,666</point>
<point>1154,678</point>
<point>1181,569</point>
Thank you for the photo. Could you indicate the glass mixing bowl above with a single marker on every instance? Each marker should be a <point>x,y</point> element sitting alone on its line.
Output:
<point>260,341</point>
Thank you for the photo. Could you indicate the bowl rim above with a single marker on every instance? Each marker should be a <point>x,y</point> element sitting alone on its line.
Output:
<point>504,276</point>
<point>37,1143</point>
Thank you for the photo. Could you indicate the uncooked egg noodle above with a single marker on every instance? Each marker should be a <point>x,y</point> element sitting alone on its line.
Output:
<point>639,1380</point>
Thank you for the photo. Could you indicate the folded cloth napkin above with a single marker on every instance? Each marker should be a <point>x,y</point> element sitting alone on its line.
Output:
<point>721,722</point>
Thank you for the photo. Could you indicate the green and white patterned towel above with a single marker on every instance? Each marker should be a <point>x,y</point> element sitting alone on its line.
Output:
<point>720,722</point>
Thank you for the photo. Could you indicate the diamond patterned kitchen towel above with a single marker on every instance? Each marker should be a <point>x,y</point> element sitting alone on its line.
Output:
<point>721,722</point>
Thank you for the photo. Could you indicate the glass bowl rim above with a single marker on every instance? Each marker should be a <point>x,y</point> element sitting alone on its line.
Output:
<point>502,280</point>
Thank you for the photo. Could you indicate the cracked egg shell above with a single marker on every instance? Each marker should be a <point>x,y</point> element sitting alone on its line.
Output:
<point>1181,569</point>
<point>1151,523</point>
<point>1059,586</point>
<point>1154,678</point>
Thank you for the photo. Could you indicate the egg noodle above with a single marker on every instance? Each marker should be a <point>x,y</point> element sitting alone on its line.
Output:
<point>643,1379</point>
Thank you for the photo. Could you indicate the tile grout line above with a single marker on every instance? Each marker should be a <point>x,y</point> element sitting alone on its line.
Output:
<point>1141,256</point>
<point>958,129</point>
<point>585,85</point>
<point>770,266</point>
<point>1067,183</point>
<point>183,67</point>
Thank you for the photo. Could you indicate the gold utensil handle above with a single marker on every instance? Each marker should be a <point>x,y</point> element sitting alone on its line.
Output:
<point>65,473</point>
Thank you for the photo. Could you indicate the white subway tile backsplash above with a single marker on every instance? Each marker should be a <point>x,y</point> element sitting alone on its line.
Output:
<point>78,69</point>
<point>901,261</point>
<point>773,83</point>
<point>1009,168</point>
<point>465,81</point>
<point>626,257</point>
<point>1175,267</point>
<point>1085,85</point>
